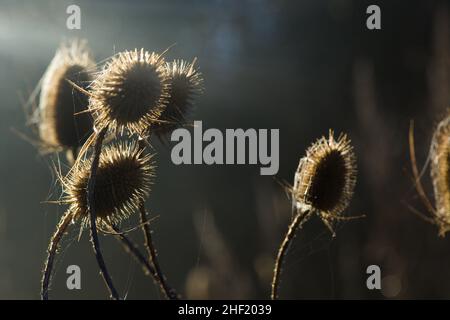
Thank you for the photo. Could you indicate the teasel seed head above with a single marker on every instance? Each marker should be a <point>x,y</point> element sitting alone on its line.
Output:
<point>440,173</point>
<point>122,182</point>
<point>326,176</point>
<point>64,122</point>
<point>130,92</point>
<point>185,82</point>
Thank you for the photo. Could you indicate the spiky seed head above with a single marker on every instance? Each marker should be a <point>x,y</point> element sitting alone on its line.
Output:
<point>63,120</point>
<point>326,176</point>
<point>185,82</point>
<point>130,92</point>
<point>122,182</point>
<point>440,172</point>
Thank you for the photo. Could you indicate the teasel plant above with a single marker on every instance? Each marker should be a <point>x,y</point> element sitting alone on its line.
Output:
<point>323,185</point>
<point>438,213</point>
<point>185,82</point>
<point>61,120</point>
<point>124,177</point>
<point>129,96</point>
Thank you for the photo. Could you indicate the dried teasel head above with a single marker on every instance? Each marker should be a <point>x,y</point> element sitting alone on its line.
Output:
<point>130,92</point>
<point>440,173</point>
<point>63,121</point>
<point>325,178</point>
<point>122,182</point>
<point>185,82</point>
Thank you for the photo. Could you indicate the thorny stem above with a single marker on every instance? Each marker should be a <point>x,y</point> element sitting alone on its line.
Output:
<point>133,249</point>
<point>295,224</point>
<point>169,292</point>
<point>92,214</point>
<point>148,268</point>
<point>159,277</point>
<point>52,250</point>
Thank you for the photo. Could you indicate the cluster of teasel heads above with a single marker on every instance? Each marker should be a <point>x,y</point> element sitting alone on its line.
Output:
<point>136,93</point>
<point>139,94</point>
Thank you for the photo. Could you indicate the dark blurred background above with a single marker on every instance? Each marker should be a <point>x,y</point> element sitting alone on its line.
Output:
<point>302,66</point>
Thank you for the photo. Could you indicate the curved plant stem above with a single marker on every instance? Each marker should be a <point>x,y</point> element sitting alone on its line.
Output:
<point>169,292</point>
<point>92,215</point>
<point>159,277</point>
<point>52,250</point>
<point>416,174</point>
<point>133,249</point>
<point>299,218</point>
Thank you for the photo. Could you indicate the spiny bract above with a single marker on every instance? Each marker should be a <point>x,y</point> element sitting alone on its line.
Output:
<point>122,182</point>
<point>130,92</point>
<point>63,121</point>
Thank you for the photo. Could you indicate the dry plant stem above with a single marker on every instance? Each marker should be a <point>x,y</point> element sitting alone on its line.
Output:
<point>158,274</point>
<point>52,250</point>
<point>417,183</point>
<point>133,249</point>
<point>92,215</point>
<point>169,292</point>
<point>282,251</point>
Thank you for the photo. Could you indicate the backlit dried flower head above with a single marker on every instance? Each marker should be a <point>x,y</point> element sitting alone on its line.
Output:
<point>440,173</point>
<point>62,123</point>
<point>323,185</point>
<point>122,182</point>
<point>185,82</point>
<point>326,177</point>
<point>130,92</point>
